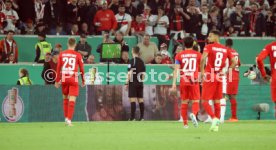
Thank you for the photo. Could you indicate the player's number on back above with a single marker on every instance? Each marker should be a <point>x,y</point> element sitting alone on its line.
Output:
<point>218,60</point>
<point>189,64</point>
<point>69,63</point>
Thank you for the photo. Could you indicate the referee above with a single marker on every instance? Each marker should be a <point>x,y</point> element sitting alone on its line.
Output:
<point>136,70</point>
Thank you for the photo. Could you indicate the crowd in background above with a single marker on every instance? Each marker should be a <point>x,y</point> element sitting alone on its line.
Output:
<point>168,20</point>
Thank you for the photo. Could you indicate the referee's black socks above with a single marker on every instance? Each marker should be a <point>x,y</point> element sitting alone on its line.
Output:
<point>133,110</point>
<point>142,109</point>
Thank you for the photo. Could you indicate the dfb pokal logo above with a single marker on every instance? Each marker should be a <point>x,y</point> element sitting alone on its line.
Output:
<point>12,106</point>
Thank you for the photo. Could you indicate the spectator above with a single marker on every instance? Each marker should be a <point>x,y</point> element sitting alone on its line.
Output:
<point>154,5</point>
<point>239,20</point>
<point>42,48</point>
<point>53,13</point>
<point>90,15</point>
<point>71,15</point>
<point>161,25</point>
<point>39,10</point>
<point>177,19</point>
<point>119,38</point>
<point>227,12</point>
<point>124,57</point>
<point>48,57</point>
<point>24,77</point>
<point>138,28</point>
<point>149,20</point>
<point>82,11</point>
<point>75,29</point>
<point>270,23</point>
<point>114,6</point>
<point>167,7</point>
<point>84,29</point>
<point>11,59</point>
<point>204,25</point>
<point>141,6</point>
<point>147,49</point>
<point>49,69</point>
<point>3,22</point>
<point>123,20</point>
<point>257,20</point>
<point>27,10</point>
<point>90,59</point>
<point>215,21</point>
<point>11,15</point>
<point>165,57</point>
<point>157,59</point>
<point>8,47</point>
<point>29,27</point>
<point>105,20</point>
<point>58,30</point>
<point>83,47</point>
<point>164,49</point>
<point>130,9</point>
<point>106,39</point>
<point>193,25</point>
<point>58,47</point>
<point>40,28</point>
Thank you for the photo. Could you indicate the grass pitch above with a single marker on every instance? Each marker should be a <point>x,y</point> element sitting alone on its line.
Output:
<point>148,135</point>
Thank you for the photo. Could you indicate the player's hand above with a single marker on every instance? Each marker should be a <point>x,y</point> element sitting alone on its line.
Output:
<point>57,85</point>
<point>267,78</point>
<point>82,84</point>
<point>173,87</point>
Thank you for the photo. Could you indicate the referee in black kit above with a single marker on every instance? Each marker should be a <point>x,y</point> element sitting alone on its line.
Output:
<point>135,77</point>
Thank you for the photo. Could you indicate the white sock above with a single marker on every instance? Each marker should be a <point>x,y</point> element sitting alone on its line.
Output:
<point>222,109</point>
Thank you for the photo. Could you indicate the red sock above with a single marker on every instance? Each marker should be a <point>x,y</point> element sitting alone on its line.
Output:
<point>71,110</point>
<point>184,113</point>
<point>195,108</point>
<point>234,107</point>
<point>208,109</point>
<point>65,107</point>
<point>217,110</point>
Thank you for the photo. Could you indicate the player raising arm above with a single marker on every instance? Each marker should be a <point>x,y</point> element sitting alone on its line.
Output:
<point>188,62</point>
<point>269,50</point>
<point>69,62</point>
<point>211,76</point>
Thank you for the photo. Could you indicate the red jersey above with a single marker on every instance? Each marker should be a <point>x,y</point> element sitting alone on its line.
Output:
<point>217,55</point>
<point>269,50</point>
<point>107,20</point>
<point>138,27</point>
<point>235,72</point>
<point>189,61</point>
<point>69,62</point>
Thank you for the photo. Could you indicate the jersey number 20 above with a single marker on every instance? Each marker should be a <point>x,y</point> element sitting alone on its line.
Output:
<point>189,64</point>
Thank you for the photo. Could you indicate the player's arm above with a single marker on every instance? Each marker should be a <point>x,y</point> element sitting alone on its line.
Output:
<point>58,72</point>
<point>175,73</point>
<point>81,70</point>
<point>202,64</point>
<point>260,62</point>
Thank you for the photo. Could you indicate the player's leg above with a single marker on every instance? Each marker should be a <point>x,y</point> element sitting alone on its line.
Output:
<point>207,94</point>
<point>132,108</point>
<point>73,93</point>
<point>194,96</point>
<point>234,105</point>
<point>65,106</point>
<point>273,97</point>
<point>71,109</point>
<point>184,112</point>
<point>140,96</point>
<point>223,100</point>
<point>142,108</point>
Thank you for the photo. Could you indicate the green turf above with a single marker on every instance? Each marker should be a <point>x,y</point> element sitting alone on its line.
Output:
<point>244,135</point>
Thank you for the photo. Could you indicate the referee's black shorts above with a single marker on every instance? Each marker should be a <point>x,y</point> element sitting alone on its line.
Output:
<point>135,90</point>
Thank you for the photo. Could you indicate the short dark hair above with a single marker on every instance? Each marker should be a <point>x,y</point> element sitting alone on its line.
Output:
<point>10,31</point>
<point>136,50</point>
<point>229,42</point>
<point>8,1</point>
<point>188,42</point>
<point>216,32</point>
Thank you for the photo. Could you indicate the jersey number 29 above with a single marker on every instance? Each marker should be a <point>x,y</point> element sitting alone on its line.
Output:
<point>69,63</point>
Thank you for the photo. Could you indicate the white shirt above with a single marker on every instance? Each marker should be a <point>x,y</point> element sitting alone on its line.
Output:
<point>161,29</point>
<point>10,15</point>
<point>151,19</point>
<point>230,11</point>
<point>124,20</point>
